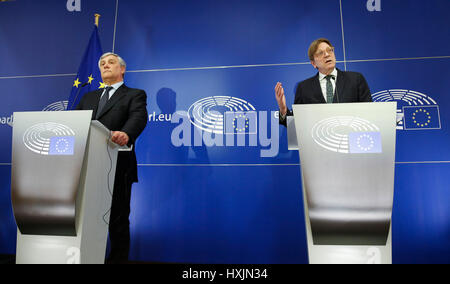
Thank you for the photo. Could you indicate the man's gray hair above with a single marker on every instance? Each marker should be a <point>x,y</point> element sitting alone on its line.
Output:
<point>121,61</point>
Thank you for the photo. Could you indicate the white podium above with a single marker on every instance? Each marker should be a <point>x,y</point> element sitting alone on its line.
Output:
<point>347,155</point>
<point>63,169</point>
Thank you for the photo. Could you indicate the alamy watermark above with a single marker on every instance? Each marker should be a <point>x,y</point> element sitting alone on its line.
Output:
<point>228,129</point>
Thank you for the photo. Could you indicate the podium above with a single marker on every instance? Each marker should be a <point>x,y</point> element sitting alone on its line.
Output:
<point>347,156</point>
<point>62,178</point>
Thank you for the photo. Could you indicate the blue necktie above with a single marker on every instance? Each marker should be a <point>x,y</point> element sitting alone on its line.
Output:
<point>103,100</point>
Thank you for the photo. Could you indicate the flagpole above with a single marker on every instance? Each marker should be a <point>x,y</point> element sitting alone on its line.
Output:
<point>97,17</point>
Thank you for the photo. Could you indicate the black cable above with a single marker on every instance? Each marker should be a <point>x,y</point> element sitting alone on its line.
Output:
<point>108,179</point>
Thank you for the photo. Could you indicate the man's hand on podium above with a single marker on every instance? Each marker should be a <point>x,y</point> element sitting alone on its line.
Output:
<point>119,137</point>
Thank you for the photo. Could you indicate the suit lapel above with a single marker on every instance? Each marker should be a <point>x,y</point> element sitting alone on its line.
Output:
<point>340,83</point>
<point>94,101</point>
<point>317,90</point>
<point>120,93</point>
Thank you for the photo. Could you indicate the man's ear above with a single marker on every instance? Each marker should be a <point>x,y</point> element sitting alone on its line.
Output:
<point>313,64</point>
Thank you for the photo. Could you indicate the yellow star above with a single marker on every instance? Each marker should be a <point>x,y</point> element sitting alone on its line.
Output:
<point>102,85</point>
<point>76,83</point>
<point>90,79</point>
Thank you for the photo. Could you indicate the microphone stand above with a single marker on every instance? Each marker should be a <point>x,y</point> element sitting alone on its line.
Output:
<point>78,92</point>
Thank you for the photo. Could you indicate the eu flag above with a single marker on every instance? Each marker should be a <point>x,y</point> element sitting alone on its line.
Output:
<point>422,117</point>
<point>88,77</point>
<point>364,142</point>
<point>240,122</point>
<point>62,145</point>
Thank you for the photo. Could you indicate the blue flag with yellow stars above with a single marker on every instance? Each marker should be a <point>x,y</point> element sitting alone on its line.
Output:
<point>422,117</point>
<point>88,77</point>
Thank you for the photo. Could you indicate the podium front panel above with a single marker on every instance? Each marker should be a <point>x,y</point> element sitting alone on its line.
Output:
<point>47,156</point>
<point>347,154</point>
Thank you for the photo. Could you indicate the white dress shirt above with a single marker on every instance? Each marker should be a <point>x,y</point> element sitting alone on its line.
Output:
<point>113,90</point>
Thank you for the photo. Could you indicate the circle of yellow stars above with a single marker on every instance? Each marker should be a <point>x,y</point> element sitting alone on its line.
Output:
<point>423,112</point>
<point>244,127</point>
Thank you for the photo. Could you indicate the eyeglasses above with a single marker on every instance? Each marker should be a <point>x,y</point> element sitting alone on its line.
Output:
<point>329,50</point>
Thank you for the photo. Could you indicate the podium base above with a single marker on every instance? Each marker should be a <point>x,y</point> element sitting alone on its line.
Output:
<point>339,254</point>
<point>34,249</point>
<point>345,254</point>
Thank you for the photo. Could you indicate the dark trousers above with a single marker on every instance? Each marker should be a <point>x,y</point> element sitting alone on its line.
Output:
<point>119,223</point>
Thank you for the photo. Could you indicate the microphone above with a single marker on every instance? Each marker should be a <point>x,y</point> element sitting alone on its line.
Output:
<point>335,87</point>
<point>78,92</point>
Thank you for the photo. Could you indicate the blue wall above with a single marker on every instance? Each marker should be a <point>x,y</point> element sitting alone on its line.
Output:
<point>229,204</point>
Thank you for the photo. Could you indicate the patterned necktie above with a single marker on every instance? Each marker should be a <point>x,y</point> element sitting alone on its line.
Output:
<point>330,92</point>
<point>103,100</point>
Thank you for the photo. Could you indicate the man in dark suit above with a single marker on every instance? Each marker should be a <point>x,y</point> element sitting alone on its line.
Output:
<point>329,85</point>
<point>123,110</point>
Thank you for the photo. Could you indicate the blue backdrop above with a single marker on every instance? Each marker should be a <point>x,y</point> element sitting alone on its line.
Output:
<point>220,204</point>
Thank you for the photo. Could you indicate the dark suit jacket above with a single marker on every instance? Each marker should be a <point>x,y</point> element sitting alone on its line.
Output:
<point>351,87</point>
<point>125,111</point>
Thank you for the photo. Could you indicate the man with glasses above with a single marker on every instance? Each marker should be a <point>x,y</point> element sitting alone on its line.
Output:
<point>329,85</point>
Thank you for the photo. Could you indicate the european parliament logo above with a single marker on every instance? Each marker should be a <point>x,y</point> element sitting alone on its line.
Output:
<point>49,138</point>
<point>225,121</point>
<point>347,135</point>
<point>415,110</point>
<point>57,106</point>
<point>223,115</point>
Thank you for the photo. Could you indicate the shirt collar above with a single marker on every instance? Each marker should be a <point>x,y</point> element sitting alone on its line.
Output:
<point>117,85</point>
<point>322,76</point>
